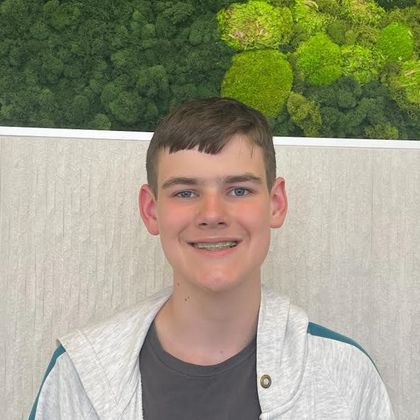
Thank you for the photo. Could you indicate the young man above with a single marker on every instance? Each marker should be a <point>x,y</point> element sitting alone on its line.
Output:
<point>217,345</point>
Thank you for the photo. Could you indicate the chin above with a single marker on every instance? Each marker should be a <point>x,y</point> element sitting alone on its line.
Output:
<point>217,284</point>
<point>218,287</point>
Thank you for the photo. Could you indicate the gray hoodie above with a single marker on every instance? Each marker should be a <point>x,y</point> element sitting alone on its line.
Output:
<point>304,371</point>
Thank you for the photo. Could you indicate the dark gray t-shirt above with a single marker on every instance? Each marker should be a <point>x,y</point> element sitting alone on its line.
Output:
<point>173,389</point>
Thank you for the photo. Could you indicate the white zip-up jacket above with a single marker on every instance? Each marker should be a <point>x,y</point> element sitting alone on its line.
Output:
<point>304,371</point>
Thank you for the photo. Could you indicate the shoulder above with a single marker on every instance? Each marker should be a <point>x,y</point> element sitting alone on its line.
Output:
<point>61,391</point>
<point>97,357</point>
<point>349,370</point>
<point>343,358</point>
<point>334,339</point>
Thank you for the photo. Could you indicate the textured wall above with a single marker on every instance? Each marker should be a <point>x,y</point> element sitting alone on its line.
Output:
<point>73,250</point>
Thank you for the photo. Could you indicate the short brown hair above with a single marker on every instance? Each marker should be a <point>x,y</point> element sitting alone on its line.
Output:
<point>209,124</point>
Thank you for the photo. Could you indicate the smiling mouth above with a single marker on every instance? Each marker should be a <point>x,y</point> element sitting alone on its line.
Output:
<point>214,246</point>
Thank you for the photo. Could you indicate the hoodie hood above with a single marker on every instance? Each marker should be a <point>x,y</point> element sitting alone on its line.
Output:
<point>106,355</point>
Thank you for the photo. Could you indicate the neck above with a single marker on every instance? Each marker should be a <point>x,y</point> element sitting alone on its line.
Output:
<point>207,328</point>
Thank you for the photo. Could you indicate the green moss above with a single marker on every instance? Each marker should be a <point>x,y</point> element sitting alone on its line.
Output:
<point>382,131</point>
<point>308,18</point>
<point>336,30</point>
<point>319,60</point>
<point>389,4</point>
<point>260,79</point>
<point>360,62</point>
<point>126,107</point>
<point>405,86</point>
<point>410,16</point>
<point>365,12</point>
<point>363,35</point>
<point>100,122</point>
<point>410,80</point>
<point>254,25</point>
<point>305,114</point>
<point>395,42</point>
<point>78,109</point>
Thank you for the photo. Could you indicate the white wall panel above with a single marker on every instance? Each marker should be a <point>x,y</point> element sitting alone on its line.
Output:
<point>73,250</point>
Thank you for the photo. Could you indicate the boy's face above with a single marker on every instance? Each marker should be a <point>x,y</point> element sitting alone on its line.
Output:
<point>214,214</point>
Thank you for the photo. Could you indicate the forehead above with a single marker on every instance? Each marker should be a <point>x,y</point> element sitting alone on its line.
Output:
<point>238,156</point>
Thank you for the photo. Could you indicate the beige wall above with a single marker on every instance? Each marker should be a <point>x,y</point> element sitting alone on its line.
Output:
<point>73,250</point>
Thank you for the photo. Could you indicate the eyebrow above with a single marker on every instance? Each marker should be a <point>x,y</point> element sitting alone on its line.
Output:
<point>179,180</point>
<point>231,179</point>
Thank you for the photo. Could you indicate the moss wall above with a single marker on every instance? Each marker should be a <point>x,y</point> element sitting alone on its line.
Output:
<point>331,68</point>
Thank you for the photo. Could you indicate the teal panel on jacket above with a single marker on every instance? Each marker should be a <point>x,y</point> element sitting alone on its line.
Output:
<point>58,352</point>
<point>320,331</point>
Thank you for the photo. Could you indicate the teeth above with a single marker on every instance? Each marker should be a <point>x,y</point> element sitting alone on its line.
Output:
<point>215,245</point>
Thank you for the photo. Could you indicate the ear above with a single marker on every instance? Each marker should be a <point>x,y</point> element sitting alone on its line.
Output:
<point>148,211</point>
<point>278,203</point>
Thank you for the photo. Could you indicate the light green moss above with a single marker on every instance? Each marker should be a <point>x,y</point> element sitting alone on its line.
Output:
<point>396,42</point>
<point>319,60</point>
<point>308,18</point>
<point>260,79</point>
<point>364,12</point>
<point>405,86</point>
<point>255,25</point>
<point>360,62</point>
<point>410,80</point>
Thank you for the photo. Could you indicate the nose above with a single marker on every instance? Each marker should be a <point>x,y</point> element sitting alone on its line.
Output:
<point>212,212</point>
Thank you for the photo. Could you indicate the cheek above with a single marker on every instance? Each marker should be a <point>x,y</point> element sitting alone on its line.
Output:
<point>173,220</point>
<point>256,218</point>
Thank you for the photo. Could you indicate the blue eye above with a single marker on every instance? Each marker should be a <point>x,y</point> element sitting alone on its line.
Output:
<point>185,194</point>
<point>240,192</point>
